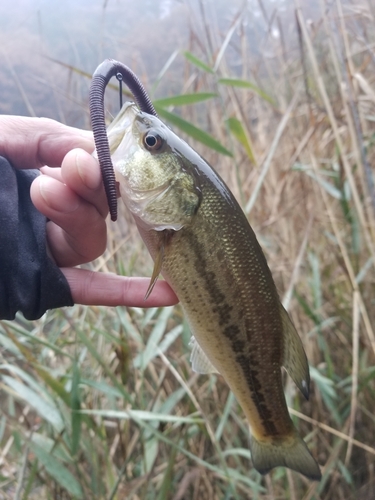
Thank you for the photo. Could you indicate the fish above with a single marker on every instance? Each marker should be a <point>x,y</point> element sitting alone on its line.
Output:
<point>202,244</point>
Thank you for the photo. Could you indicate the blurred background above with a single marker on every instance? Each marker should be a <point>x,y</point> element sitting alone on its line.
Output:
<point>279,96</point>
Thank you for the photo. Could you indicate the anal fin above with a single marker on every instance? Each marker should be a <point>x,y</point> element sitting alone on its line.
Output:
<point>199,360</point>
<point>294,356</point>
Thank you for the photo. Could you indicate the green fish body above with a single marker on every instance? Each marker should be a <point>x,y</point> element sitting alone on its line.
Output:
<point>202,243</point>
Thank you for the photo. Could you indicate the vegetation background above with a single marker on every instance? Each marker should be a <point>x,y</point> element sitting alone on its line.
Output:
<point>279,96</point>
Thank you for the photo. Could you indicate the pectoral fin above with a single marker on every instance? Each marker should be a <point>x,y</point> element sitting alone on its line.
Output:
<point>294,358</point>
<point>199,361</point>
<point>156,271</point>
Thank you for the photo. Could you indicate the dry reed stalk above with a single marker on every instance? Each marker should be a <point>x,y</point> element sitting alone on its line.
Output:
<point>336,132</point>
<point>349,267</point>
<point>331,430</point>
<point>355,364</point>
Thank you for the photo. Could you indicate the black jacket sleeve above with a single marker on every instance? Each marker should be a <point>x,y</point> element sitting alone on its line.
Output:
<point>30,281</point>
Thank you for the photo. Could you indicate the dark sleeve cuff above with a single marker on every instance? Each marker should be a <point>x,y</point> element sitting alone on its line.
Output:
<point>30,281</point>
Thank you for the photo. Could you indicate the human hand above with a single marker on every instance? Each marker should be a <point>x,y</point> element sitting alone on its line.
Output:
<point>73,198</point>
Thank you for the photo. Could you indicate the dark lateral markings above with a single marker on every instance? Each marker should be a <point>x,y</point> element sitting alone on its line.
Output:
<point>232,332</point>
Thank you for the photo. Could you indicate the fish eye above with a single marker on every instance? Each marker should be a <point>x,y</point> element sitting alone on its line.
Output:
<point>152,141</point>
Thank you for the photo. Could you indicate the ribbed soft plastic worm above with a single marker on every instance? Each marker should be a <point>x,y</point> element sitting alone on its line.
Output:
<point>100,79</point>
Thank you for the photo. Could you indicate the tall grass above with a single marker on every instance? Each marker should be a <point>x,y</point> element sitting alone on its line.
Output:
<point>102,403</point>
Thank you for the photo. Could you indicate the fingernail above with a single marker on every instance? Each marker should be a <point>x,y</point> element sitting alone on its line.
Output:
<point>89,177</point>
<point>58,196</point>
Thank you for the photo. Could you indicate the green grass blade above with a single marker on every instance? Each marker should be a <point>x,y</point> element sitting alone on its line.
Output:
<point>198,63</point>
<point>169,338</point>
<point>229,474</point>
<point>51,445</point>
<point>45,409</point>
<point>238,131</point>
<point>144,358</point>
<point>95,354</point>
<point>167,483</point>
<point>33,471</point>
<point>364,270</point>
<point>184,99</point>
<point>142,415</point>
<point>150,454</point>
<point>195,132</point>
<point>10,346</point>
<point>101,387</point>
<point>224,418</point>
<point>327,186</point>
<point>75,407</point>
<point>22,331</point>
<point>54,384</point>
<point>56,470</point>
<point>244,84</point>
<point>172,400</point>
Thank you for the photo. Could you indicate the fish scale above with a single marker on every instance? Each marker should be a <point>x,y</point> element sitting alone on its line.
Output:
<point>246,324</point>
<point>202,243</point>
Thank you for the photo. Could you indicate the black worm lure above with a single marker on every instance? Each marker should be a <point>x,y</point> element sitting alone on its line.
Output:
<point>103,73</point>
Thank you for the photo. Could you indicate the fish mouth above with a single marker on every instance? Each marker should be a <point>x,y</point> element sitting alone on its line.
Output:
<point>125,117</point>
<point>118,131</point>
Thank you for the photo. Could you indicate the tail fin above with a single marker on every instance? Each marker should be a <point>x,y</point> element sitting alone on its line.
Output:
<point>291,452</point>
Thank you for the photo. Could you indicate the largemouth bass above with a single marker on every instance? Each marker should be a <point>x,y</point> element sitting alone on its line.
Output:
<point>202,243</point>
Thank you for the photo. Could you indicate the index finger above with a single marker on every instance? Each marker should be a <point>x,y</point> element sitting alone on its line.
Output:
<point>33,142</point>
<point>105,289</point>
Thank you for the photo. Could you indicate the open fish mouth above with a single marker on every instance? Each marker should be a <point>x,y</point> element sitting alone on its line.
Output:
<point>118,134</point>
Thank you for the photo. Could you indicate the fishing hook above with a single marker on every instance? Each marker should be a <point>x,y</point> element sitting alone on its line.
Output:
<point>119,78</point>
<point>100,79</point>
